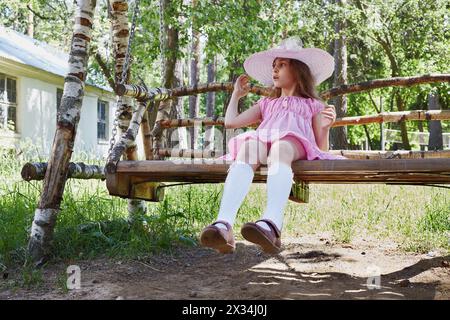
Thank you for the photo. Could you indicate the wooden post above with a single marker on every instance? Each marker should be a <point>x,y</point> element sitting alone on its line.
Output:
<point>382,137</point>
<point>39,245</point>
<point>127,137</point>
<point>148,191</point>
<point>146,136</point>
<point>435,141</point>
<point>162,114</point>
<point>36,171</point>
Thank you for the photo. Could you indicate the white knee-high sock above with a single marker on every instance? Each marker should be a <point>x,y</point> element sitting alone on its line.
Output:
<point>279,184</point>
<point>237,184</point>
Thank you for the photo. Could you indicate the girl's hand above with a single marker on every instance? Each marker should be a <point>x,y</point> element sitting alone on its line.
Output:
<point>241,86</point>
<point>328,117</point>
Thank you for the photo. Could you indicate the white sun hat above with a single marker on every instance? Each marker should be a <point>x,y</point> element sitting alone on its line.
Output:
<point>320,62</point>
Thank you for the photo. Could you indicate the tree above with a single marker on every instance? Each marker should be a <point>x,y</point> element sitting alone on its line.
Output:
<point>170,53</point>
<point>194,78</point>
<point>121,34</point>
<point>435,142</point>
<point>57,170</point>
<point>338,135</point>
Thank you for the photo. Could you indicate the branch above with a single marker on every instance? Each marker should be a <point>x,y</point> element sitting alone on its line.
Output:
<point>382,83</point>
<point>55,10</point>
<point>161,94</point>
<point>373,102</point>
<point>384,117</point>
<point>105,70</point>
<point>38,15</point>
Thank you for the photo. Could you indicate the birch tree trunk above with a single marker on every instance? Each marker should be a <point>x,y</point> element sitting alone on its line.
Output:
<point>39,245</point>
<point>121,34</point>
<point>119,23</point>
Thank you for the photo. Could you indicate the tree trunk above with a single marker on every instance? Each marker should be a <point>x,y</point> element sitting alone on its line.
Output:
<point>338,136</point>
<point>119,23</point>
<point>420,126</point>
<point>369,140</point>
<point>79,170</point>
<point>436,141</point>
<point>169,49</point>
<point>395,71</point>
<point>403,127</point>
<point>194,78</point>
<point>30,26</point>
<point>121,34</point>
<point>227,133</point>
<point>210,107</point>
<point>39,245</point>
<point>180,134</point>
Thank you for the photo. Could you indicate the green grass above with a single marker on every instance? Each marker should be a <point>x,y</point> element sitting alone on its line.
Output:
<point>93,224</point>
<point>415,217</point>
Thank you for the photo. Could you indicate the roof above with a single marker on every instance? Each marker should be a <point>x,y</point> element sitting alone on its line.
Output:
<point>23,49</point>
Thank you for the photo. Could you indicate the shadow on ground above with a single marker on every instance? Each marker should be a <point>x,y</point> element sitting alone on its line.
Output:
<point>303,270</point>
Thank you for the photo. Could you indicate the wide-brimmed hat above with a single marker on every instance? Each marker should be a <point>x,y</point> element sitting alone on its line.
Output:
<point>320,62</point>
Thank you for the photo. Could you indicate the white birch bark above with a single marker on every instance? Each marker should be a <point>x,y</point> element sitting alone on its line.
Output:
<point>121,35</point>
<point>45,215</point>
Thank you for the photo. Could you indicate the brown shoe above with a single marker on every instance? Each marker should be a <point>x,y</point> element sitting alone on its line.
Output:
<point>218,238</point>
<point>270,241</point>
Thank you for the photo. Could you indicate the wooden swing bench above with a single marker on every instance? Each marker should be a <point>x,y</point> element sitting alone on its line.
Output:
<point>145,179</point>
<point>139,179</point>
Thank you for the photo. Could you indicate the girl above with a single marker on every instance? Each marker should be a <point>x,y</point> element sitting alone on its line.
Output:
<point>295,125</point>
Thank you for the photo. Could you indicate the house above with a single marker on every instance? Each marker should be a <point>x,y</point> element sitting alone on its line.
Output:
<point>31,86</point>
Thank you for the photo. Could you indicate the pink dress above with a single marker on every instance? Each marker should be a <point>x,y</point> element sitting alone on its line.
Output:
<point>284,116</point>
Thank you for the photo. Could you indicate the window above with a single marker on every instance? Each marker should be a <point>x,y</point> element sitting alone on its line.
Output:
<point>8,102</point>
<point>11,90</point>
<point>102,120</point>
<point>59,94</point>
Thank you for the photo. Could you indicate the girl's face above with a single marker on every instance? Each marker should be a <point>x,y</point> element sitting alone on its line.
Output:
<point>281,73</point>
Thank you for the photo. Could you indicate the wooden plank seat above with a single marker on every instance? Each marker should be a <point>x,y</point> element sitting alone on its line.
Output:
<point>124,177</point>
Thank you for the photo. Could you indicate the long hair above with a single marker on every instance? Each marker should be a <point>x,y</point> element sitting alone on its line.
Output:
<point>305,87</point>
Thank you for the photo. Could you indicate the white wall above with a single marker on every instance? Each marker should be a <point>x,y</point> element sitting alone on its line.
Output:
<point>36,111</point>
<point>86,138</point>
<point>36,117</point>
<point>36,114</point>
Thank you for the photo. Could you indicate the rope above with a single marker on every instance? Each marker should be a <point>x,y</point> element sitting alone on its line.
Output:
<point>176,184</point>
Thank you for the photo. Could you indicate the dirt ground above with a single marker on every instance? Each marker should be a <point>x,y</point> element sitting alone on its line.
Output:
<point>311,267</point>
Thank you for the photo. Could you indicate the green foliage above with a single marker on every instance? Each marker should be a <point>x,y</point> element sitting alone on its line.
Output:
<point>51,23</point>
<point>384,38</point>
